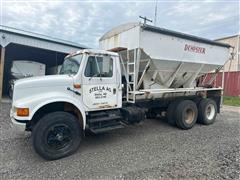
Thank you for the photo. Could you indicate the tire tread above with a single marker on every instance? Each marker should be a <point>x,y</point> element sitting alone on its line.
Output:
<point>47,120</point>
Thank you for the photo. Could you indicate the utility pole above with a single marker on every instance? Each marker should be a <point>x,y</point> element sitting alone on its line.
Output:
<point>155,14</point>
<point>145,19</point>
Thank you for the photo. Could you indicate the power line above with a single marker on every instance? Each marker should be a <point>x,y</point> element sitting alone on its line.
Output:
<point>155,14</point>
<point>145,19</point>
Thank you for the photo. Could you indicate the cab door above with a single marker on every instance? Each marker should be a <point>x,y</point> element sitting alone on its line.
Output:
<point>100,84</point>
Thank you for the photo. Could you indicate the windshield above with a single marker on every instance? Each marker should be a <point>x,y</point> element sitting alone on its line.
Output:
<point>71,64</point>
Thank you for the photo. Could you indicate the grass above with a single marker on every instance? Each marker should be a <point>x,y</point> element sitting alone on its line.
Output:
<point>231,101</point>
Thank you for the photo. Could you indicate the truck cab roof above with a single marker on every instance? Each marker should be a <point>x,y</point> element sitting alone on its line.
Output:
<point>93,52</point>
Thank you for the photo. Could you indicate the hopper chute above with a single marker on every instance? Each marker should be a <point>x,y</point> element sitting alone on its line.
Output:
<point>153,73</point>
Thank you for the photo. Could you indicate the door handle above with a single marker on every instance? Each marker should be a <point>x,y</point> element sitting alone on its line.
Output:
<point>76,92</point>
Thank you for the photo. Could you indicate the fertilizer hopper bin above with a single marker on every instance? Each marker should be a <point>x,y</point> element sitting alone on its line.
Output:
<point>156,58</point>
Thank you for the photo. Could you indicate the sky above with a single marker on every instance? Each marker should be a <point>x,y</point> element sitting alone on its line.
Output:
<point>84,22</point>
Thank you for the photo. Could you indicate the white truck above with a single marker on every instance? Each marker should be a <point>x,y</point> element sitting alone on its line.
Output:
<point>99,90</point>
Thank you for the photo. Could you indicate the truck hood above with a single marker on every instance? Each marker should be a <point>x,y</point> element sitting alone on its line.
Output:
<point>36,86</point>
<point>43,81</point>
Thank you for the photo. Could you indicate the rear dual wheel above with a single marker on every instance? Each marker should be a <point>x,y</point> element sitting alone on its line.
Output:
<point>171,112</point>
<point>182,113</point>
<point>207,109</point>
<point>185,113</point>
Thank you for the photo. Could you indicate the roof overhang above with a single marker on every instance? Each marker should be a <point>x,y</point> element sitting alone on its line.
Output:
<point>11,35</point>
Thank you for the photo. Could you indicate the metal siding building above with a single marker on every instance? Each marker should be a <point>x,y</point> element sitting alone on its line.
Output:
<point>231,69</point>
<point>234,63</point>
<point>231,82</point>
<point>24,45</point>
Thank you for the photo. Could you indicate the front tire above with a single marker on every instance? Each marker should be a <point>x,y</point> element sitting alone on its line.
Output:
<point>207,111</point>
<point>56,135</point>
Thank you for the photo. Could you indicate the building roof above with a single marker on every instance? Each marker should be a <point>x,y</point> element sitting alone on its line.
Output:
<point>127,26</point>
<point>227,37</point>
<point>11,30</point>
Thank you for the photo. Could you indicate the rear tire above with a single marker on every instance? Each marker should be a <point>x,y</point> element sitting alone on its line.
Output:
<point>186,114</point>
<point>207,111</point>
<point>171,112</point>
<point>56,135</point>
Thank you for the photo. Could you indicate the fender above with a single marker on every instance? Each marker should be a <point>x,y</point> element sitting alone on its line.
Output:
<point>34,103</point>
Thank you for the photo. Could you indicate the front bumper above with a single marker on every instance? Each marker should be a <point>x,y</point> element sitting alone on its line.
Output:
<point>18,126</point>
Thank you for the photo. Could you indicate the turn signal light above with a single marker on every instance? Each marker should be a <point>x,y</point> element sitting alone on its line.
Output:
<point>77,86</point>
<point>22,111</point>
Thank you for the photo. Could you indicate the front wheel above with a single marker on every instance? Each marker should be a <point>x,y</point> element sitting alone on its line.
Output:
<point>56,135</point>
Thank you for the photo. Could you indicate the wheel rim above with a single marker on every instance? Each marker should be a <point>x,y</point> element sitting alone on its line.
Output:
<point>189,116</point>
<point>210,111</point>
<point>59,136</point>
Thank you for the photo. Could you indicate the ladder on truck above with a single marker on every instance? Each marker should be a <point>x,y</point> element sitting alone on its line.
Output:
<point>131,80</point>
<point>131,74</point>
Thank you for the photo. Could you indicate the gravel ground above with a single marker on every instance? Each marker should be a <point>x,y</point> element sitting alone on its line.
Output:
<point>150,150</point>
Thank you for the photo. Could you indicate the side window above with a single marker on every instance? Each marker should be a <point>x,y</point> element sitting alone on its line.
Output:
<point>91,68</point>
<point>99,66</point>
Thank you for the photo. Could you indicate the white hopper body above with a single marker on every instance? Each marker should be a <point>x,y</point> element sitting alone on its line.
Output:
<point>176,59</point>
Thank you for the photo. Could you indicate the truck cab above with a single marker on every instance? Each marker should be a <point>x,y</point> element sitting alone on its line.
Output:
<point>90,80</point>
<point>96,79</point>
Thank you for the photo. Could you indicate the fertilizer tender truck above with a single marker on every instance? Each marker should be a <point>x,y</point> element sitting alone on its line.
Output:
<point>99,90</point>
